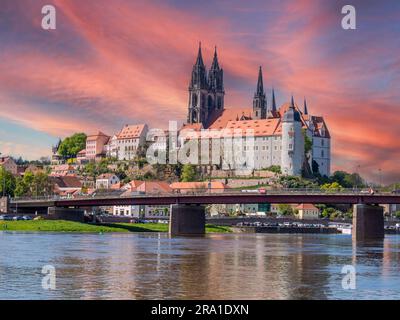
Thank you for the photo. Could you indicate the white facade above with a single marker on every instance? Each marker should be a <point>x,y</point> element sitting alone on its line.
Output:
<point>112,147</point>
<point>129,140</point>
<point>136,211</point>
<point>321,153</point>
<point>292,144</point>
<point>106,181</point>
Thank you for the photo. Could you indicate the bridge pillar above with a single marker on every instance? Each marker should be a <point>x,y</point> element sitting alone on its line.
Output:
<point>187,220</point>
<point>368,222</point>
<point>72,214</point>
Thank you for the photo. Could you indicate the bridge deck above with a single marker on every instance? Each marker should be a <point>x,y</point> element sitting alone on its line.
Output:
<point>231,197</point>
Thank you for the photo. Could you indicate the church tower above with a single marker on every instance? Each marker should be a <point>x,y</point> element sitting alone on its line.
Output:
<point>198,92</point>
<point>215,99</point>
<point>259,101</point>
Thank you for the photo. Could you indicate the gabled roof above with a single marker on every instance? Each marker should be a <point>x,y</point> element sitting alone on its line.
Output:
<point>220,119</point>
<point>66,181</point>
<point>306,206</point>
<point>261,127</point>
<point>96,136</point>
<point>131,131</point>
<point>154,187</point>
<point>106,176</point>
<point>319,123</point>
<point>198,185</point>
<point>193,126</point>
<point>5,159</point>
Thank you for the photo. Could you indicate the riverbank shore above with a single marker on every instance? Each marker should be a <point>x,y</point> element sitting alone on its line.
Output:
<point>79,227</point>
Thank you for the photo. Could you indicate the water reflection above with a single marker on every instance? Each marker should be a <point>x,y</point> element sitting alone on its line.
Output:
<point>219,266</point>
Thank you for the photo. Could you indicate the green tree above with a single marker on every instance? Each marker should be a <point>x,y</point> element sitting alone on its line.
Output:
<point>307,142</point>
<point>353,180</point>
<point>91,170</point>
<point>331,187</point>
<point>274,168</point>
<point>70,146</point>
<point>188,173</point>
<point>347,180</point>
<point>7,183</point>
<point>327,212</point>
<point>285,209</point>
<point>31,184</point>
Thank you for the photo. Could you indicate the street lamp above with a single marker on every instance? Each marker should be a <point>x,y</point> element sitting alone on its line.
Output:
<point>4,185</point>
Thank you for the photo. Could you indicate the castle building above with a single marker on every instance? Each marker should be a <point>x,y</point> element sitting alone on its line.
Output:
<point>280,134</point>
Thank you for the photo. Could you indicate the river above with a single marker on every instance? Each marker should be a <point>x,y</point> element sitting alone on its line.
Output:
<point>217,266</point>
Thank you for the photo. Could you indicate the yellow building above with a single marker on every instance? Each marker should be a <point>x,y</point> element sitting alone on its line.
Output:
<point>307,211</point>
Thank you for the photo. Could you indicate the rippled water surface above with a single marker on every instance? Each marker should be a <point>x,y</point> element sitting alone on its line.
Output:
<point>218,266</point>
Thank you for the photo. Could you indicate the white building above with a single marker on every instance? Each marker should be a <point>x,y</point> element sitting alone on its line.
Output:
<point>107,181</point>
<point>138,211</point>
<point>148,211</point>
<point>278,136</point>
<point>112,147</point>
<point>129,140</point>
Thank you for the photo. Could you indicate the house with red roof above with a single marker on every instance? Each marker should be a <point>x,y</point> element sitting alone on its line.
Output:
<point>95,146</point>
<point>8,164</point>
<point>307,211</point>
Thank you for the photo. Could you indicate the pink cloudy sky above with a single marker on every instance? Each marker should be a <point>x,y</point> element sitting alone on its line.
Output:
<point>128,61</point>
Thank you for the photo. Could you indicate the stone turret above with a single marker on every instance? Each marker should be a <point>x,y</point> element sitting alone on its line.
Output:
<point>292,156</point>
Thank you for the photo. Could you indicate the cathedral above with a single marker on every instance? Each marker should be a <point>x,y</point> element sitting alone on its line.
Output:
<point>280,133</point>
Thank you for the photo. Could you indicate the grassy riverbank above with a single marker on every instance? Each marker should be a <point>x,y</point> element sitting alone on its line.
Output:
<point>70,226</point>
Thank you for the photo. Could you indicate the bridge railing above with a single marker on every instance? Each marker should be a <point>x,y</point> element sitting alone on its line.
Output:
<point>198,192</point>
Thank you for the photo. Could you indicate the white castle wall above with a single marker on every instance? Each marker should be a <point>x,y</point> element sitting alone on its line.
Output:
<point>292,148</point>
<point>322,154</point>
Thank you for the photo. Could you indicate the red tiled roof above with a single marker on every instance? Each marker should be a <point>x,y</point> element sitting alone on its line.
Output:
<point>131,131</point>
<point>105,176</point>
<point>260,127</point>
<point>197,185</point>
<point>66,182</point>
<point>219,120</point>
<point>193,126</point>
<point>154,186</point>
<point>95,136</point>
<point>307,206</point>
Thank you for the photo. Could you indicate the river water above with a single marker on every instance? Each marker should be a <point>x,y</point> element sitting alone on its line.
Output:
<point>217,266</point>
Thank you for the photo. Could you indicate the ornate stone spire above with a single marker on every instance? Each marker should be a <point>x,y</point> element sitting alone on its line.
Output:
<point>273,109</point>
<point>305,106</point>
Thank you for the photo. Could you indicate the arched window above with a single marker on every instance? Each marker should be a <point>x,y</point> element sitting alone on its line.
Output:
<point>219,102</point>
<point>194,99</point>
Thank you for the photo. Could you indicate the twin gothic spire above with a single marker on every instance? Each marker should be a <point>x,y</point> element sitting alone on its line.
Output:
<point>200,79</point>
